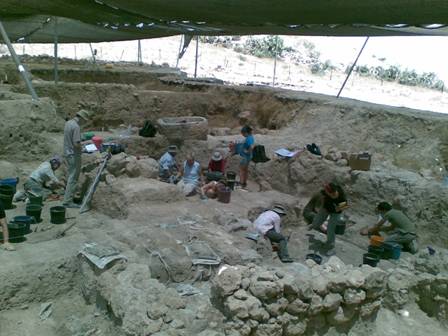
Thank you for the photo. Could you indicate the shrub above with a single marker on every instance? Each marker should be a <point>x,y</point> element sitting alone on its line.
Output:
<point>267,46</point>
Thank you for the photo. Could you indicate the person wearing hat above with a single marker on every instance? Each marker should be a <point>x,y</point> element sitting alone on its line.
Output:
<point>42,180</point>
<point>72,154</point>
<point>216,167</point>
<point>4,225</point>
<point>168,167</point>
<point>333,204</point>
<point>268,224</point>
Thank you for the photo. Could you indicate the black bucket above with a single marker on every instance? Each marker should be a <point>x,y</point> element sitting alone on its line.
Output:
<point>231,175</point>
<point>7,201</point>
<point>7,189</point>
<point>391,251</point>
<point>38,200</point>
<point>17,231</point>
<point>57,215</point>
<point>377,250</point>
<point>315,257</point>
<point>35,211</point>
<point>340,228</point>
<point>370,259</point>
<point>231,184</point>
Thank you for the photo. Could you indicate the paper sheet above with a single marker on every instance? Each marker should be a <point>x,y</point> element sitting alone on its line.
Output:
<point>286,153</point>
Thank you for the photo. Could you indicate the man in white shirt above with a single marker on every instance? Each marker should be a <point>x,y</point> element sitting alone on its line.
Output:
<point>268,224</point>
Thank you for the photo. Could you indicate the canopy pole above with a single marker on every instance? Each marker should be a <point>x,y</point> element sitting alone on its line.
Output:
<point>352,67</point>
<point>139,53</point>
<point>93,55</point>
<point>56,74</point>
<point>180,50</point>
<point>275,61</point>
<point>196,57</point>
<point>19,66</point>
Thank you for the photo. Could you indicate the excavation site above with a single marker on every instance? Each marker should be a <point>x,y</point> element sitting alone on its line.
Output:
<point>138,199</point>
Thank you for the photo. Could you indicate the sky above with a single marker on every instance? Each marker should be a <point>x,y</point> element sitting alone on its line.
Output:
<point>422,53</point>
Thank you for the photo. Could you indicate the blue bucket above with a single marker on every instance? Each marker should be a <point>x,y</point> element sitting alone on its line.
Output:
<point>392,251</point>
<point>13,181</point>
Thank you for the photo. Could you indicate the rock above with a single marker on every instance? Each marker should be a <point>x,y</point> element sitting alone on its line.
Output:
<point>149,168</point>
<point>342,163</point>
<point>8,170</point>
<point>245,283</point>
<point>117,164</point>
<point>370,308</point>
<point>297,307</point>
<point>320,285</point>
<point>334,264</point>
<point>271,329</point>
<point>316,305</point>
<point>331,302</point>
<point>172,299</point>
<point>132,168</point>
<point>226,283</point>
<point>265,290</point>
<point>154,326</point>
<point>259,314</point>
<point>354,278</point>
<point>236,308</point>
<point>340,316</point>
<point>241,294</point>
<point>375,281</point>
<point>295,329</point>
<point>156,311</point>
<point>354,296</point>
<point>266,276</point>
<point>277,308</point>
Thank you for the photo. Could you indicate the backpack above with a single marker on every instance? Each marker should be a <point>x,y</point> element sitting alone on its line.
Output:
<point>148,130</point>
<point>313,148</point>
<point>259,154</point>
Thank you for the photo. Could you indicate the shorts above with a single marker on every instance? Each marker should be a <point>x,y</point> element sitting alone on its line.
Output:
<point>245,160</point>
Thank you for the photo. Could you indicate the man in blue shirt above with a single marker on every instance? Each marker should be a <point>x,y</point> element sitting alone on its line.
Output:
<point>168,168</point>
<point>192,178</point>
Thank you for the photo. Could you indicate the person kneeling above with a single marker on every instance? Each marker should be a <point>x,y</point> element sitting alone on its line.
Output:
<point>398,227</point>
<point>268,224</point>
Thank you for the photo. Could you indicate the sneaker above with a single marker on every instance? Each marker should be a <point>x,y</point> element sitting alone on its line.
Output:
<point>71,205</point>
<point>330,252</point>
<point>413,246</point>
<point>287,260</point>
<point>8,247</point>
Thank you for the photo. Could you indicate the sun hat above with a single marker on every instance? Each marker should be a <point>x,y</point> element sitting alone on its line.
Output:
<point>217,156</point>
<point>172,149</point>
<point>279,209</point>
<point>84,114</point>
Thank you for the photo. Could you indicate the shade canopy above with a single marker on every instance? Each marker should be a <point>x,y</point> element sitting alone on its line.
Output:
<point>114,20</point>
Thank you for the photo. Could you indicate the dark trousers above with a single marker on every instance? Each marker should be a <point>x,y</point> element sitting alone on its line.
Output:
<point>276,237</point>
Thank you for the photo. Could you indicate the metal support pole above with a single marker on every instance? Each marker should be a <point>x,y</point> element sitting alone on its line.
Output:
<point>56,75</point>
<point>139,53</point>
<point>275,61</point>
<point>17,62</point>
<point>352,67</point>
<point>196,57</point>
<point>93,54</point>
<point>180,50</point>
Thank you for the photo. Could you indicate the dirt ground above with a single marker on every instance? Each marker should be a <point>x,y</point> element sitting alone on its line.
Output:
<point>158,230</point>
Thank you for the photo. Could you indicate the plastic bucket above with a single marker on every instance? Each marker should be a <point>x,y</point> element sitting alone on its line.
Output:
<point>7,201</point>
<point>17,230</point>
<point>314,257</point>
<point>231,175</point>
<point>224,195</point>
<point>378,250</point>
<point>231,184</point>
<point>370,259</point>
<point>392,251</point>
<point>340,228</point>
<point>13,181</point>
<point>24,219</point>
<point>37,200</point>
<point>34,210</point>
<point>6,189</point>
<point>57,215</point>
<point>376,240</point>
<point>98,141</point>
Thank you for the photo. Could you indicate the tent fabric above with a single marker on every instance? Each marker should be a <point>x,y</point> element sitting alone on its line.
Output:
<point>114,20</point>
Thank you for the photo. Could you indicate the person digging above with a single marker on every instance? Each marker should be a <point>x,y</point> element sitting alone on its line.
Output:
<point>268,224</point>
<point>334,203</point>
<point>398,227</point>
<point>42,181</point>
<point>4,224</point>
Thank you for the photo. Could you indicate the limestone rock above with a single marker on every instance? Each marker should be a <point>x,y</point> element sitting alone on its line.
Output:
<point>316,305</point>
<point>149,168</point>
<point>354,296</point>
<point>370,308</point>
<point>295,329</point>
<point>297,307</point>
<point>331,302</point>
<point>265,290</point>
<point>235,307</point>
<point>226,283</point>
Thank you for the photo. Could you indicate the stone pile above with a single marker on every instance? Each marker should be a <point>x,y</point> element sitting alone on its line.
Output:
<point>258,301</point>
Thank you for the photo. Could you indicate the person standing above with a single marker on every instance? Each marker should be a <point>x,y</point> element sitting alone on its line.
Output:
<point>334,203</point>
<point>4,224</point>
<point>268,224</point>
<point>246,154</point>
<point>72,154</point>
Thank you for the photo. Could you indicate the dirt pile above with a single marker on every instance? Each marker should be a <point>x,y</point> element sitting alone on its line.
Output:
<point>25,130</point>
